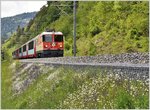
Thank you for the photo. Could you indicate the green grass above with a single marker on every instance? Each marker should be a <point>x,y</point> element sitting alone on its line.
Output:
<point>68,88</point>
<point>6,85</point>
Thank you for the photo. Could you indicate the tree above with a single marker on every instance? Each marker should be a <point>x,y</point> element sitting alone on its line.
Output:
<point>18,31</point>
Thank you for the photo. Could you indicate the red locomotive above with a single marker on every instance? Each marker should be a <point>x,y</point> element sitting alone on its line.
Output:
<point>46,44</point>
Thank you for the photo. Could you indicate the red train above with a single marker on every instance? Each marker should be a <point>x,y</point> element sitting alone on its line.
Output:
<point>46,44</point>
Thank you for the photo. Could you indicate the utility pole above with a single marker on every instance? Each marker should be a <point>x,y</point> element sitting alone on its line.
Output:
<point>74,22</point>
<point>74,27</point>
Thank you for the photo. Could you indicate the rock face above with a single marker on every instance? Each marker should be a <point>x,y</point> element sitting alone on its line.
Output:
<point>25,74</point>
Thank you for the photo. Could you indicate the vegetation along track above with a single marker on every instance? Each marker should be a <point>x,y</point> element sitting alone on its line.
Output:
<point>133,65</point>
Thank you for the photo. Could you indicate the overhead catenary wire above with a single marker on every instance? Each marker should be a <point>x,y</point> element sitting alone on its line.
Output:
<point>74,21</point>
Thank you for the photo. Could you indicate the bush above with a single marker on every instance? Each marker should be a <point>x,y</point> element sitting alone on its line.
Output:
<point>124,100</point>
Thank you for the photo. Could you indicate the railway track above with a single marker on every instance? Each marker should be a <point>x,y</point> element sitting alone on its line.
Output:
<point>125,66</point>
<point>114,64</point>
<point>135,65</point>
<point>124,60</point>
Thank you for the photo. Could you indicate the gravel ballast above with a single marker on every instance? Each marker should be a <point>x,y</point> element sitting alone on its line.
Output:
<point>128,58</point>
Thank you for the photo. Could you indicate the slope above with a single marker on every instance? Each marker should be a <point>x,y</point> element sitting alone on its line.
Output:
<point>102,27</point>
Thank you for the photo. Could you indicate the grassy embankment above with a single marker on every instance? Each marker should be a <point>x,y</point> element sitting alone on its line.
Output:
<point>66,88</point>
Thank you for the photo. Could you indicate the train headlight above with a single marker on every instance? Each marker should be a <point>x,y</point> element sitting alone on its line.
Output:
<point>60,45</point>
<point>53,44</point>
<point>46,46</point>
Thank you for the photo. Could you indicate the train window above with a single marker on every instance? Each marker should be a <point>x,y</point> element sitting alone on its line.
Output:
<point>58,38</point>
<point>31,45</point>
<point>24,48</point>
<point>20,50</point>
<point>47,38</point>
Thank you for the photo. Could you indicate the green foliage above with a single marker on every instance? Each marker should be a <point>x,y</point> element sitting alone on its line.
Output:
<point>68,88</point>
<point>19,32</point>
<point>92,49</point>
<point>5,84</point>
<point>124,100</point>
<point>102,26</point>
<point>67,46</point>
<point>29,25</point>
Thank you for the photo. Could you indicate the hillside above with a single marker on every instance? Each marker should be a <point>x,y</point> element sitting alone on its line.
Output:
<point>39,86</point>
<point>102,27</point>
<point>10,24</point>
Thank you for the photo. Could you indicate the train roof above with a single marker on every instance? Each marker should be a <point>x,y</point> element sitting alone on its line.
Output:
<point>51,33</point>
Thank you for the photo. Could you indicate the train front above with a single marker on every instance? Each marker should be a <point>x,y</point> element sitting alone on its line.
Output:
<point>50,44</point>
